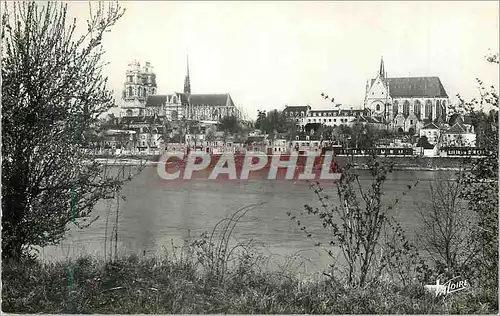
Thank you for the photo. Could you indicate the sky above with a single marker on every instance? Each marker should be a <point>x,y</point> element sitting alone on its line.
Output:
<point>268,54</point>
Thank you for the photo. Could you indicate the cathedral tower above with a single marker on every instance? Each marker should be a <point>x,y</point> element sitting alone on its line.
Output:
<point>140,82</point>
<point>381,72</point>
<point>187,81</point>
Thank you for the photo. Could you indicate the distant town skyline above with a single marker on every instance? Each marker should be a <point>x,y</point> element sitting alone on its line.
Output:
<point>268,54</point>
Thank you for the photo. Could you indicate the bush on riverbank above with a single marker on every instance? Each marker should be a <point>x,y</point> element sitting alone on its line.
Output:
<point>165,285</point>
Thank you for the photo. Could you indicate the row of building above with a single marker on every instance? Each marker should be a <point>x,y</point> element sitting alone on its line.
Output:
<point>140,99</point>
<point>404,104</point>
<point>417,106</point>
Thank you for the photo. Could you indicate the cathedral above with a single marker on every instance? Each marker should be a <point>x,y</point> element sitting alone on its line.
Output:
<point>140,99</point>
<point>406,104</point>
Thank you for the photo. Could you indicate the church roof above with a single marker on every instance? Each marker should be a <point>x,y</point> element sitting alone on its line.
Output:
<point>430,126</point>
<point>456,129</point>
<point>369,119</point>
<point>183,97</point>
<point>458,118</point>
<point>426,87</point>
<point>211,99</point>
<point>297,108</point>
<point>193,99</point>
<point>156,100</point>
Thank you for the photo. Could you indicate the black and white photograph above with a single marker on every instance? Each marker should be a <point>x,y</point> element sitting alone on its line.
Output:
<point>250,157</point>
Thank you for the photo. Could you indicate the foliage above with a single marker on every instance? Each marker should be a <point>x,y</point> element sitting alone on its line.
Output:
<point>424,142</point>
<point>357,222</point>
<point>261,117</point>
<point>163,285</point>
<point>53,91</point>
<point>215,252</point>
<point>480,183</point>
<point>275,122</point>
<point>230,124</point>
<point>446,229</point>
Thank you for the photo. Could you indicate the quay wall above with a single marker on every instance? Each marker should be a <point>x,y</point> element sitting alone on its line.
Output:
<point>407,163</point>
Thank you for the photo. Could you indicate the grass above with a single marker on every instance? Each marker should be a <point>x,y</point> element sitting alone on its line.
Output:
<point>167,285</point>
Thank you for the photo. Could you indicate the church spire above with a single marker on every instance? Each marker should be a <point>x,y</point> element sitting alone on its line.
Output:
<point>382,70</point>
<point>187,81</point>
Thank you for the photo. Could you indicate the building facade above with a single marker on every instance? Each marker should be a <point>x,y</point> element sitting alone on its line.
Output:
<point>140,99</point>
<point>140,82</point>
<point>303,115</point>
<point>459,135</point>
<point>406,103</point>
<point>432,132</point>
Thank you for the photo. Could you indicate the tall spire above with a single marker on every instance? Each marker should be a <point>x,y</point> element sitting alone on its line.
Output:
<point>382,70</point>
<point>187,81</point>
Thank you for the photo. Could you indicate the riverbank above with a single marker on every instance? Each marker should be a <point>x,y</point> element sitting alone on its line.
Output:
<point>407,163</point>
<point>358,162</point>
<point>175,286</point>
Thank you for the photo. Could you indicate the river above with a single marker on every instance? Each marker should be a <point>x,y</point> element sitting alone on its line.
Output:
<point>157,214</point>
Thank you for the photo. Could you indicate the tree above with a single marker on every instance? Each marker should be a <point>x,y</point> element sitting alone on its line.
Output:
<point>446,228</point>
<point>424,142</point>
<point>275,122</point>
<point>480,183</point>
<point>53,91</point>
<point>468,240</point>
<point>360,225</point>
<point>230,124</point>
<point>261,117</point>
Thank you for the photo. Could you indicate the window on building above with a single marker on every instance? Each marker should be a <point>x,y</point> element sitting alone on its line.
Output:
<point>417,107</point>
<point>395,108</point>
<point>406,108</point>
<point>428,109</point>
<point>130,91</point>
<point>377,107</point>
<point>329,120</point>
<point>438,109</point>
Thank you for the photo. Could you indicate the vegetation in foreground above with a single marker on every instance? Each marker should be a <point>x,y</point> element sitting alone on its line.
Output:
<point>165,285</point>
<point>46,186</point>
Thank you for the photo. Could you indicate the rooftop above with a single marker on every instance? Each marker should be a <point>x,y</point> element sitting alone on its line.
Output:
<point>426,87</point>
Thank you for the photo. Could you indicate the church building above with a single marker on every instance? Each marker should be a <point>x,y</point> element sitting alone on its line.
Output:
<point>406,103</point>
<point>191,106</point>
<point>140,99</point>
